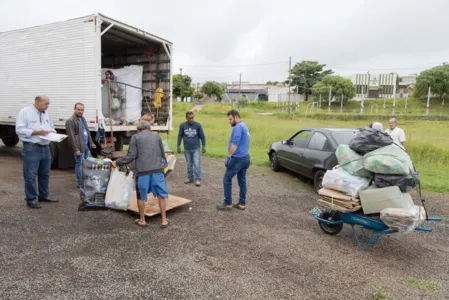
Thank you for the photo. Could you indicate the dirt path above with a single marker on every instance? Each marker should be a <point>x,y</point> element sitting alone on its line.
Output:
<point>273,250</point>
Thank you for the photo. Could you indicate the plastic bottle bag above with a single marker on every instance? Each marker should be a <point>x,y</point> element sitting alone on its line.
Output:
<point>403,219</point>
<point>340,180</point>
<point>351,161</point>
<point>120,190</point>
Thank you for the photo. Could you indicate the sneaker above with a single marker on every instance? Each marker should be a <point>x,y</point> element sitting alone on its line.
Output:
<point>188,181</point>
<point>198,183</point>
<point>239,206</point>
<point>223,206</point>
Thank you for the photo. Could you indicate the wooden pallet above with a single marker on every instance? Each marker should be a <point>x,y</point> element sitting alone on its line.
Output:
<point>152,205</point>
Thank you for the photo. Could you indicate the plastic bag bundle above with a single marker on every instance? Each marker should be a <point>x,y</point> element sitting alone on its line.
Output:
<point>120,190</point>
<point>351,161</point>
<point>405,182</point>
<point>169,163</point>
<point>369,139</point>
<point>390,160</point>
<point>403,219</point>
<point>340,180</point>
<point>95,180</point>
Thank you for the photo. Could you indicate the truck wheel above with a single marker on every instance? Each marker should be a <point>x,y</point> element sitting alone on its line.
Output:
<point>331,229</point>
<point>318,179</point>
<point>10,141</point>
<point>54,154</point>
<point>275,165</point>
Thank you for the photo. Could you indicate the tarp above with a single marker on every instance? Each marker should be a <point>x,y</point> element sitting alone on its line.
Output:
<point>131,75</point>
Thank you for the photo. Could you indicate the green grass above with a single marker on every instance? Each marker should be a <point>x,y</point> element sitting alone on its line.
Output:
<point>423,285</point>
<point>427,141</point>
<point>380,294</point>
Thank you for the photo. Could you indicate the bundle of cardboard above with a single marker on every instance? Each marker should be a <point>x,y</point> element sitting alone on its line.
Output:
<point>338,201</point>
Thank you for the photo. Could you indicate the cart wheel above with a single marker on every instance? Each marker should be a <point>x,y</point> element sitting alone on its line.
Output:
<point>330,229</point>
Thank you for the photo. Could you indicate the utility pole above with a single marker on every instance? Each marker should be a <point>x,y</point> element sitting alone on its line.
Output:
<point>428,102</point>
<point>320,100</point>
<point>240,85</point>
<point>289,86</point>
<point>363,100</point>
<point>180,70</point>
<point>330,97</point>
<point>341,104</point>
<point>394,93</point>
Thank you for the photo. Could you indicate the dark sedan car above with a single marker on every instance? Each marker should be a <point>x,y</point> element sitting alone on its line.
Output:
<point>310,151</point>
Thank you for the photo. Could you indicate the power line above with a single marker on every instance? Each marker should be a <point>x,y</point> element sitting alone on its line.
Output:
<point>380,69</point>
<point>237,66</point>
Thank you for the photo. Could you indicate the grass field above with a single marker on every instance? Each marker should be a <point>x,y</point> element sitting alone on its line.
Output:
<point>427,141</point>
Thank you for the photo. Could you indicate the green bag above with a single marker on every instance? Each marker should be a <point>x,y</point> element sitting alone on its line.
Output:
<point>391,159</point>
<point>351,161</point>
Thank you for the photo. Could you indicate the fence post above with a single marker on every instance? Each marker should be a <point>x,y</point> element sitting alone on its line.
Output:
<point>428,102</point>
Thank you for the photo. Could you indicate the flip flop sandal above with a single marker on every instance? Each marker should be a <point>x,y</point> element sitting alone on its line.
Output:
<point>165,225</point>
<point>137,222</point>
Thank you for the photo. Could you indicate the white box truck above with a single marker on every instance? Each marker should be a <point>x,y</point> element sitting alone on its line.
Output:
<point>67,61</point>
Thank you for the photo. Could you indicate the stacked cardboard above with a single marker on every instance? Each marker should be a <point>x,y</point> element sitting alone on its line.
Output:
<point>338,201</point>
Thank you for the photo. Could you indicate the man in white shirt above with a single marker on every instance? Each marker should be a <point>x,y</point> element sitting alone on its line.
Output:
<point>395,132</point>
<point>32,123</point>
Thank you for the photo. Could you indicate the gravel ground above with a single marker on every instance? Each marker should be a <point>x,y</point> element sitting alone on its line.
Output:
<point>273,250</point>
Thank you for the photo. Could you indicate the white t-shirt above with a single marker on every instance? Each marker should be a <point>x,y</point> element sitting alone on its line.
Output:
<point>397,134</point>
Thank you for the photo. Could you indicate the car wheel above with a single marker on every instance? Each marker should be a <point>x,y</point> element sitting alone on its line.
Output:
<point>318,180</point>
<point>330,229</point>
<point>275,165</point>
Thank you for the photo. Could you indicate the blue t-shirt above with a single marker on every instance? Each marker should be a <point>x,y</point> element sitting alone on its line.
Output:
<point>85,132</point>
<point>240,138</point>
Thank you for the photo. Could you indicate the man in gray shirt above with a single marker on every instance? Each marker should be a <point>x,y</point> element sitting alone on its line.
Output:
<point>147,150</point>
<point>32,123</point>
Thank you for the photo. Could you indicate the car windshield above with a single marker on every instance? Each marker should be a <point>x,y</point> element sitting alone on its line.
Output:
<point>343,137</point>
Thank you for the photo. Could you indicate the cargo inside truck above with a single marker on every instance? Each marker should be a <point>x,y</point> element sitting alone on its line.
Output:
<point>141,66</point>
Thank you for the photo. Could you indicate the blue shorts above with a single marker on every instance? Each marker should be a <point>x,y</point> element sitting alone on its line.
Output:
<point>151,183</point>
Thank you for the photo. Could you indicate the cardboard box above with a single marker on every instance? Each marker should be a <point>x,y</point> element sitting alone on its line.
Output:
<point>375,200</point>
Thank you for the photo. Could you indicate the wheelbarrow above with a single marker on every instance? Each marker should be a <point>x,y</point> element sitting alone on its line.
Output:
<point>331,222</point>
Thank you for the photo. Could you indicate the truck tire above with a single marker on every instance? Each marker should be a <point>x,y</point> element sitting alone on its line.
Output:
<point>54,153</point>
<point>10,141</point>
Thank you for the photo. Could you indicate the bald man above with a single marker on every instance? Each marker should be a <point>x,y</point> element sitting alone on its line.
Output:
<point>32,123</point>
<point>395,132</point>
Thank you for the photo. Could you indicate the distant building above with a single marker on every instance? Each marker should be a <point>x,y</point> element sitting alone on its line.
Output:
<point>253,91</point>
<point>372,86</point>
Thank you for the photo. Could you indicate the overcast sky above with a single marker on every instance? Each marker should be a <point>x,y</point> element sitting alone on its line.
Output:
<point>216,40</point>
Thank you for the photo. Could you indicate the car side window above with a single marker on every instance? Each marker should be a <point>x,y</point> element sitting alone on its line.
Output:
<point>320,142</point>
<point>301,139</point>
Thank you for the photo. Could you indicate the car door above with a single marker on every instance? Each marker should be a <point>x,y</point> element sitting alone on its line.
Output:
<point>295,148</point>
<point>318,151</point>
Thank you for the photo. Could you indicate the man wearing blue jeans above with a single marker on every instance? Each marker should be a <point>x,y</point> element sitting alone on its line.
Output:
<point>191,132</point>
<point>32,123</point>
<point>79,139</point>
<point>237,162</point>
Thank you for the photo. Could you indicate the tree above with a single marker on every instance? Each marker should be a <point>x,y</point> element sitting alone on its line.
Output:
<point>438,80</point>
<point>197,95</point>
<point>306,73</point>
<point>182,86</point>
<point>272,83</point>
<point>340,87</point>
<point>212,88</point>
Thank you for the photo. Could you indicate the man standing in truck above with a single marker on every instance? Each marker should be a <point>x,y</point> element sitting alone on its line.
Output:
<point>191,132</point>
<point>79,139</point>
<point>237,162</point>
<point>32,123</point>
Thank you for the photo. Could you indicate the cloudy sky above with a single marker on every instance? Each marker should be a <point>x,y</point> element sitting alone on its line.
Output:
<point>216,40</point>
